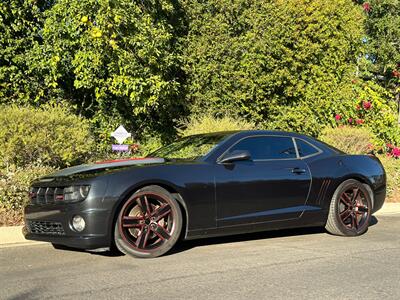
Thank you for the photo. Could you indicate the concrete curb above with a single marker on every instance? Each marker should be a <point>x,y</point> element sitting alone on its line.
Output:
<point>389,209</point>
<point>13,237</point>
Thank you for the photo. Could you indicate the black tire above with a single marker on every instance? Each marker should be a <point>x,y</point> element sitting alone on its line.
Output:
<point>350,209</point>
<point>139,232</point>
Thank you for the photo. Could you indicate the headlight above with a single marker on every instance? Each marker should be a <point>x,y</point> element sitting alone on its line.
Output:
<point>76,193</point>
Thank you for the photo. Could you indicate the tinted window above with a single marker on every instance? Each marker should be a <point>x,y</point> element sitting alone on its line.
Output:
<point>305,149</point>
<point>190,147</point>
<point>267,147</point>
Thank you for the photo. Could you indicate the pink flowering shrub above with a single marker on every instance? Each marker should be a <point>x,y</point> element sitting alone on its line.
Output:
<point>392,151</point>
<point>373,109</point>
<point>366,6</point>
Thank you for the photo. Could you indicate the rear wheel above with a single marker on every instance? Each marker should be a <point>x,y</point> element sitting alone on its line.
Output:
<point>149,223</point>
<point>350,209</point>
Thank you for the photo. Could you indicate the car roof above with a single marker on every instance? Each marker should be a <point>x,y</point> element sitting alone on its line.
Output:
<point>243,133</point>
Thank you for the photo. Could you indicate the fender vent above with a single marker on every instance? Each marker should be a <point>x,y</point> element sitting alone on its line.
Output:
<point>322,192</point>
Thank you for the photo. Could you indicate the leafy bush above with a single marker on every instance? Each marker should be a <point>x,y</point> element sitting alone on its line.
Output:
<point>49,137</point>
<point>352,140</point>
<point>208,122</point>
<point>283,64</point>
<point>370,105</point>
<point>392,168</point>
<point>14,188</point>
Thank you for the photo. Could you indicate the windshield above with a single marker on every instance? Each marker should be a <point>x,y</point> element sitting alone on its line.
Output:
<point>191,147</point>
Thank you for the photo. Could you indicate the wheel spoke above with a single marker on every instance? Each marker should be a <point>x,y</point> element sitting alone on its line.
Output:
<point>130,222</point>
<point>345,199</point>
<point>143,237</point>
<point>144,205</point>
<point>356,192</point>
<point>354,221</point>
<point>161,212</point>
<point>161,232</point>
<point>345,214</point>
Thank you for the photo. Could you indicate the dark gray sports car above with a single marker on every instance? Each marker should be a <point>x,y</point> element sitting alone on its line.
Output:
<point>206,185</point>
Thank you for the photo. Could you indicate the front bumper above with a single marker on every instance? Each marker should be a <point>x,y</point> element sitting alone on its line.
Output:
<point>52,223</point>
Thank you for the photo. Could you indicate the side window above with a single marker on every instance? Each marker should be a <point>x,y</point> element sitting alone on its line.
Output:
<point>267,147</point>
<point>305,149</point>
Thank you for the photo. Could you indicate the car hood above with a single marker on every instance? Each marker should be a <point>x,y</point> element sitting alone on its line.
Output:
<point>103,166</point>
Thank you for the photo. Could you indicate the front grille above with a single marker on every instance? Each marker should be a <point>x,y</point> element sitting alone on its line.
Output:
<point>45,227</point>
<point>46,195</point>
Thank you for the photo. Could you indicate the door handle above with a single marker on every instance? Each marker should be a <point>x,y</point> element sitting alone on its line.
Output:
<point>298,171</point>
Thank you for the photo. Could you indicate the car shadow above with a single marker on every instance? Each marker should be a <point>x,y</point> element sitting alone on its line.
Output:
<point>187,245</point>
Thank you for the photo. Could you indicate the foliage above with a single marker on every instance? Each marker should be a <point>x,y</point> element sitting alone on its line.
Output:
<point>383,40</point>
<point>14,188</point>
<point>15,182</point>
<point>115,62</point>
<point>371,106</point>
<point>285,64</point>
<point>49,137</point>
<point>20,25</point>
<point>352,140</point>
<point>208,122</point>
<point>148,145</point>
<point>392,168</point>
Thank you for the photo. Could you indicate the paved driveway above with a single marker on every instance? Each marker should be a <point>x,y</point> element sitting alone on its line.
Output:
<point>285,264</point>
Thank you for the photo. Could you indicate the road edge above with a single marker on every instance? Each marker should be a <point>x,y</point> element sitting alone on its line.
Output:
<point>12,236</point>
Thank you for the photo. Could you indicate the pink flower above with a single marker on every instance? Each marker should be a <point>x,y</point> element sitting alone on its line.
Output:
<point>389,145</point>
<point>350,120</point>
<point>367,7</point>
<point>367,105</point>
<point>359,121</point>
<point>396,152</point>
<point>338,117</point>
<point>396,73</point>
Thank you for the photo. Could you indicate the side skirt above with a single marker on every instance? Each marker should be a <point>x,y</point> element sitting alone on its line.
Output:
<point>308,219</point>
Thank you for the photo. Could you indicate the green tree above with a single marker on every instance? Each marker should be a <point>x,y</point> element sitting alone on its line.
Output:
<point>116,61</point>
<point>382,61</point>
<point>286,64</point>
<point>383,40</point>
<point>20,26</point>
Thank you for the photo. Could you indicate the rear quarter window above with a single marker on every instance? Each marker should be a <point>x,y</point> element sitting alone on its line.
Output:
<point>306,149</point>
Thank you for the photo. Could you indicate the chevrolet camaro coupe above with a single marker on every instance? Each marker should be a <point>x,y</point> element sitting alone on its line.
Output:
<point>204,186</point>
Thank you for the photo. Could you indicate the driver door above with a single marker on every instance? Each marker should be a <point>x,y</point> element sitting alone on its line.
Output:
<point>272,185</point>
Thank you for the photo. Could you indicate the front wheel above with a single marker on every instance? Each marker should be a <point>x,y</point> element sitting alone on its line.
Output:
<point>350,209</point>
<point>149,223</point>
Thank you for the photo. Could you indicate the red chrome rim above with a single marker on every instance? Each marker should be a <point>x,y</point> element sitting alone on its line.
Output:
<point>353,208</point>
<point>146,221</point>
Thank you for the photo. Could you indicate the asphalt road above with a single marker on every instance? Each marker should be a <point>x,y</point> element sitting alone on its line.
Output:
<point>284,264</point>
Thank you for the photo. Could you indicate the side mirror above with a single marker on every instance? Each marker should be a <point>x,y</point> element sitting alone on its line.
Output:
<point>236,155</point>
